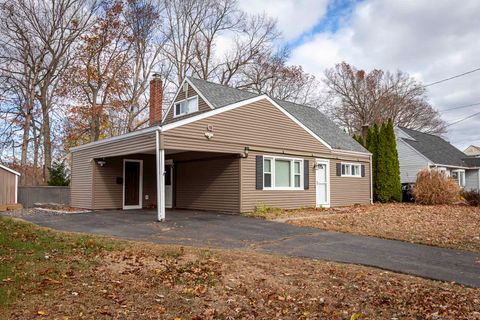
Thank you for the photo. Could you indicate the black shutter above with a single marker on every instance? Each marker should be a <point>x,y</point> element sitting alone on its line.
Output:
<point>306,174</point>
<point>339,169</point>
<point>259,172</point>
<point>363,170</point>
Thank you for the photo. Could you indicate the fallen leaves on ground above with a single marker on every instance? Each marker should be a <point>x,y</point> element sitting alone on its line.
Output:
<point>450,226</point>
<point>146,281</point>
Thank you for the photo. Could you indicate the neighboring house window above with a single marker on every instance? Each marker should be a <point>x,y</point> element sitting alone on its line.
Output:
<point>282,173</point>
<point>186,106</point>
<point>459,175</point>
<point>351,170</point>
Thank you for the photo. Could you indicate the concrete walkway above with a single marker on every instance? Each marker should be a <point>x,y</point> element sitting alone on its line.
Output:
<point>231,231</point>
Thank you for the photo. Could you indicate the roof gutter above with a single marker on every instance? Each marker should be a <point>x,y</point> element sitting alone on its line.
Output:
<point>368,153</point>
<point>301,154</point>
<point>116,138</point>
<point>451,166</point>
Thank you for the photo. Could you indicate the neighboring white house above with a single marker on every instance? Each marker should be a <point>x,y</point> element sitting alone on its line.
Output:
<point>472,151</point>
<point>418,150</point>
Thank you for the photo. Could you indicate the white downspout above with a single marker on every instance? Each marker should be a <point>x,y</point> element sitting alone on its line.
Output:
<point>371,180</point>
<point>160,153</point>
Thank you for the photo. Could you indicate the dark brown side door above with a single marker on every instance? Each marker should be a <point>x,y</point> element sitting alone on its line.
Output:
<point>132,183</point>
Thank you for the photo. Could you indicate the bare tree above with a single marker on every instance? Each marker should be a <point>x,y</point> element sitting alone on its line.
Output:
<point>50,29</point>
<point>253,44</point>
<point>361,98</point>
<point>143,19</point>
<point>193,30</point>
<point>20,63</point>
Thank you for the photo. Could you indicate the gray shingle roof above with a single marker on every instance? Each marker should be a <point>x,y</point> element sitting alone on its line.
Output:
<point>322,126</point>
<point>435,148</point>
<point>472,161</point>
<point>221,96</point>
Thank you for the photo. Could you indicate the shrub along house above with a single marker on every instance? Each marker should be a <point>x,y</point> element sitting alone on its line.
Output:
<point>222,149</point>
<point>418,150</point>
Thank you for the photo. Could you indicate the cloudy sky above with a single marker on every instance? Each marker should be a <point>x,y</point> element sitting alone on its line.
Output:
<point>430,39</point>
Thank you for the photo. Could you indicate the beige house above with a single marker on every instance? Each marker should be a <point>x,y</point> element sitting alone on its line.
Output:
<point>223,149</point>
<point>472,150</point>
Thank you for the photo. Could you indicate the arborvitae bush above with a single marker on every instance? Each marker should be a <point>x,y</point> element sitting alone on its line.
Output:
<point>393,164</point>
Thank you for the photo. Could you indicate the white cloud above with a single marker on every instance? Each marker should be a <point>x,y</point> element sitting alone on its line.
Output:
<point>429,40</point>
<point>294,17</point>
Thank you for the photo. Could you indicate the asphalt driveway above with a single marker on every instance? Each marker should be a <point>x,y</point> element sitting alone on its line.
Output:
<point>205,229</point>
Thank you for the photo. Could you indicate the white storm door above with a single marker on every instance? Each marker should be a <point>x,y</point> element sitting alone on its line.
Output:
<point>322,183</point>
<point>168,185</point>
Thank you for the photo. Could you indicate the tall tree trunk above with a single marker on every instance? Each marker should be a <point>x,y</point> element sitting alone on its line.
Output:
<point>36,148</point>
<point>26,136</point>
<point>47,141</point>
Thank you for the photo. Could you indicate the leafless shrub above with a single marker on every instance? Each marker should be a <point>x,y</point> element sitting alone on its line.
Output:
<point>434,187</point>
<point>472,197</point>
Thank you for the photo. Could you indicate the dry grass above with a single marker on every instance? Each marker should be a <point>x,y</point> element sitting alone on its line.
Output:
<point>450,226</point>
<point>141,281</point>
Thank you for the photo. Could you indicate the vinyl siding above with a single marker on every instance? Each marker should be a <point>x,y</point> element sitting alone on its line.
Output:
<point>7,187</point>
<point>346,191</point>
<point>411,162</point>
<point>202,106</point>
<point>472,179</point>
<point>287,199</point>
<point>108,194</point>
<point>82,185</point>
<point>210,184</point>
<point>255,124</point>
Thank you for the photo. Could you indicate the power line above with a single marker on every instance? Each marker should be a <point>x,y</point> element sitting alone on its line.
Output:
<point>460,107</point>
<point>470,116</point>
<point>453,77</point>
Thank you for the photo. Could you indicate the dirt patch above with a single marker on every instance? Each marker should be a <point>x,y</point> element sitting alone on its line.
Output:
<point>450,226</point>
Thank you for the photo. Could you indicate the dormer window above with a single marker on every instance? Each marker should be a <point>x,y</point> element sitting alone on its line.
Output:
<point>186,106</point>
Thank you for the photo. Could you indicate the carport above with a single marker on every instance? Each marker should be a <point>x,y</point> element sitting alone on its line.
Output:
<point>135,172</point>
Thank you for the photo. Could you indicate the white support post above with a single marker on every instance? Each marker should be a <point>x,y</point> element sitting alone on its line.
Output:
<point>160,179</point>
<point>16,189</point>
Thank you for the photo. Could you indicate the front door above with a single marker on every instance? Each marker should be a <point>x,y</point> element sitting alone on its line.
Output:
<point>132,184</point>
<point>322,183</point>
<point>168,185</point>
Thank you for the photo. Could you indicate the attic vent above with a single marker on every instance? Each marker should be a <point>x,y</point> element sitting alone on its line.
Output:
<point>185,88</point>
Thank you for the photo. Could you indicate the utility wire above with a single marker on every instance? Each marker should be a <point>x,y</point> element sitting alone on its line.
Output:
<point>460,107</point>
<point>470,116</point>
<point>453,77</point>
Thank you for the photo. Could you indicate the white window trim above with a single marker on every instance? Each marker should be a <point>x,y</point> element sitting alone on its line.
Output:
<point>175,115</point>
<point>351,164</point>
<point>292,173</point>
<point>464,177</point>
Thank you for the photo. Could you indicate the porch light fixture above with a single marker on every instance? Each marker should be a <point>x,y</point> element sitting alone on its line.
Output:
<point>101,163</point>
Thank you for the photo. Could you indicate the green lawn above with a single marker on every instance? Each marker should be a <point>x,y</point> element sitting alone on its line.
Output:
<point>46,274</point>
<point>32,257</point>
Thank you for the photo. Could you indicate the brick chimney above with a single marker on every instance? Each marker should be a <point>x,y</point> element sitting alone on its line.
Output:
<point>156,96</point>
<point>364,132</point>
